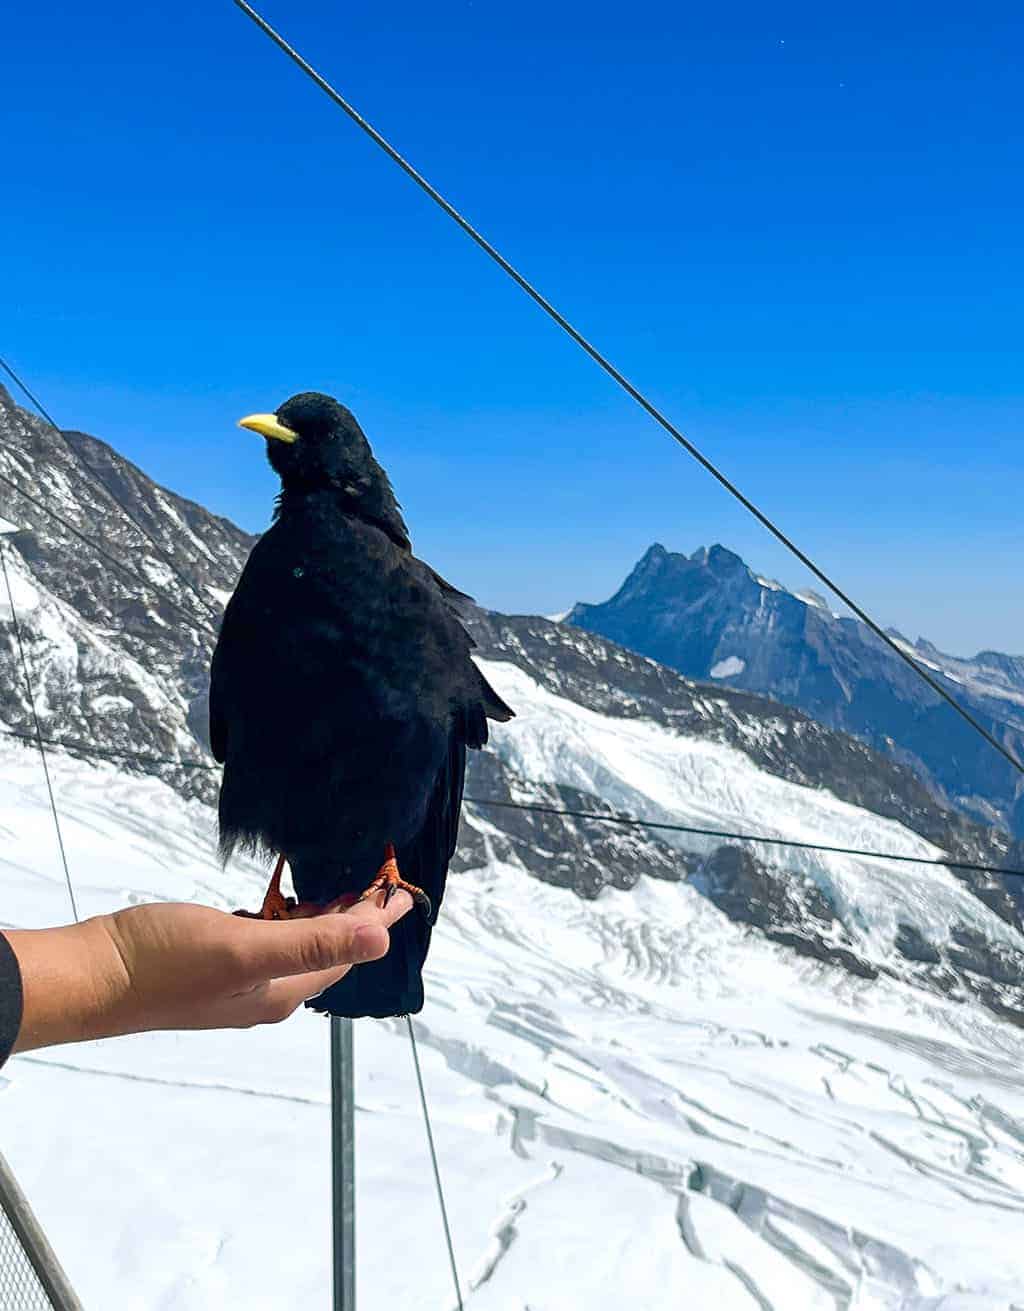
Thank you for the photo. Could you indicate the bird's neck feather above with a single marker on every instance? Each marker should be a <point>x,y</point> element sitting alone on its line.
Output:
<point>359,499</point>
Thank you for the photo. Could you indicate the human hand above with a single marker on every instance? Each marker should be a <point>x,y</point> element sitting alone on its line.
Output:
<point>177,966</point>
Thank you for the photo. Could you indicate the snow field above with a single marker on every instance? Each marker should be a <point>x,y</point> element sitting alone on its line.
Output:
<point>636,1102</point>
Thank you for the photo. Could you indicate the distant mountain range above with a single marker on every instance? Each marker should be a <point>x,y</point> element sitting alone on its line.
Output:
<point>599,727</point>
<point>710,617</point>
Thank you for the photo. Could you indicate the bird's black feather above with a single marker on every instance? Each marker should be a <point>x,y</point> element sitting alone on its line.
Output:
<point>394,984</point>
<point>343,697</point>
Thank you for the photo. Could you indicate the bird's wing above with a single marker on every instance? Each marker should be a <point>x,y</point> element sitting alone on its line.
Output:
<point>424,859</point>
<point>457,599</point>
<point>352,613</point>
<point>394,983</point>
<point>244,654</point>
<point>481,702</point>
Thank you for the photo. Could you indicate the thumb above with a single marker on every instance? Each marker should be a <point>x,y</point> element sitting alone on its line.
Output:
<point>280,948</point>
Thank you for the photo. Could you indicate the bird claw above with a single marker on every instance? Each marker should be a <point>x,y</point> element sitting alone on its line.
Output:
<point>276,906</point>
<point>389,880</point>
<point>389,889</point>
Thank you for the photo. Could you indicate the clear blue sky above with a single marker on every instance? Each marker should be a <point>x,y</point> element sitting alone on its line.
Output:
<point>799,226</point>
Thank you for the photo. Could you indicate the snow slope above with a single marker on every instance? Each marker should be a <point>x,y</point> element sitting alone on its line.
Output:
<point>636,1102</point>
<point>644,769</point>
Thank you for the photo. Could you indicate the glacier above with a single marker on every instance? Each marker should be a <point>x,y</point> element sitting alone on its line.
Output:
<point>637,1102</point>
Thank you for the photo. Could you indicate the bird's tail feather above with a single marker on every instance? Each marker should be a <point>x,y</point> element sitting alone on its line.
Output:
<point>392,985</point>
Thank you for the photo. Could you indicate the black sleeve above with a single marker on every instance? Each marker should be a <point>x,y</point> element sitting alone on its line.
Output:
<point>10,998</point>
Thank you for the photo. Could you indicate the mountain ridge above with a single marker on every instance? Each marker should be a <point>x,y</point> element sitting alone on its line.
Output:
<point>114,665</point>
<point>710,617</point>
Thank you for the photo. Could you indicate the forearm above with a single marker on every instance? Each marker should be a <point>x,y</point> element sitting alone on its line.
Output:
<point>176,966</point>
<point>72,979</point>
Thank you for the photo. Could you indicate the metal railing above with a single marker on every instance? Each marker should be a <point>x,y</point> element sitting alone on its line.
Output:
<point>31,1277</point>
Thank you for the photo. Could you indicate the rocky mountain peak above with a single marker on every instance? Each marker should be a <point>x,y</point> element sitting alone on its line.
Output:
<point>709,617</point>
<point>669,582</point>
<point>722,561</point>
<point>120,654</point>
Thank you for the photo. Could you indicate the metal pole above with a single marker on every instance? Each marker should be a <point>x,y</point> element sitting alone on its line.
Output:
<point>34,1245</point>
<point>343,1163</point>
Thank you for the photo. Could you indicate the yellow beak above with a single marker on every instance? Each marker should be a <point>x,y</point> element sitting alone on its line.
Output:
<point>267,426</point>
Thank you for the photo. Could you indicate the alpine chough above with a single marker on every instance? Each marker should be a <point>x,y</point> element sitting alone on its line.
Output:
<point>343,698</point>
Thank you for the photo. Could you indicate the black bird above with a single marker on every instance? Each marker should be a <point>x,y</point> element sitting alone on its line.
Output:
<point>343,698</point>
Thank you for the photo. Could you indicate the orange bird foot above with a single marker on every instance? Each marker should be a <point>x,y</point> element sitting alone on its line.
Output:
<point>389,880</point>
<point>276,906</point>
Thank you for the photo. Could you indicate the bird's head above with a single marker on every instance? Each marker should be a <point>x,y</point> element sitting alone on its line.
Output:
<point>312,441</point>
<point>315,444</point>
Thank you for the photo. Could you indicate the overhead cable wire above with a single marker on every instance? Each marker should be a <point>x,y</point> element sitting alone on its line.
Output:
<point>629,821</point>
<point>111,753</point>
<point>112,496</point>
<point>39,732</point>
<point>128,571</point>
<point>433,1161</point>
<point>603,817</point>
<point>610,369</point>
<point>30,394</point>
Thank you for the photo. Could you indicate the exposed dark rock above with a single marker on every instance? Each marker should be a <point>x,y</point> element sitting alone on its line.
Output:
<point>788,909</point>
<point>134,671</point>
<point>912,944</point>
<point>995,961</point>
<point>581,854</point>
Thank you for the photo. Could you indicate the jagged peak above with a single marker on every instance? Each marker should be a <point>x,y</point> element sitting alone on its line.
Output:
<point>716,557</point>
<point>721,555</point>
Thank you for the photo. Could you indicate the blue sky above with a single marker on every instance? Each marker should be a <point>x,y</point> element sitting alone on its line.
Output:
<point>797,226</point>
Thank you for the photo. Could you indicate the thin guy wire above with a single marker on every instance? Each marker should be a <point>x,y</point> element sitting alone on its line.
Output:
<point>111,495</point>
<point>39,731</point>
<point>90,749</point>
<point>626,821</point>
<point>433,1160</point>
<point>194,620</point>
<point>615,374</point>
<point>30,394</point>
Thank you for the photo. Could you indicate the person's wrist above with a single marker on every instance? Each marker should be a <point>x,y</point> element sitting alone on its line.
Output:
<point>110,988</point>
<point>73,984</point>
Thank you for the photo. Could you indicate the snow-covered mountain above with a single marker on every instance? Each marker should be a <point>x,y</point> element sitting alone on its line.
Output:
<point>117,667</point>
<point>667,1067</point>
<point>709,616</point>
<point>112,662</point>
